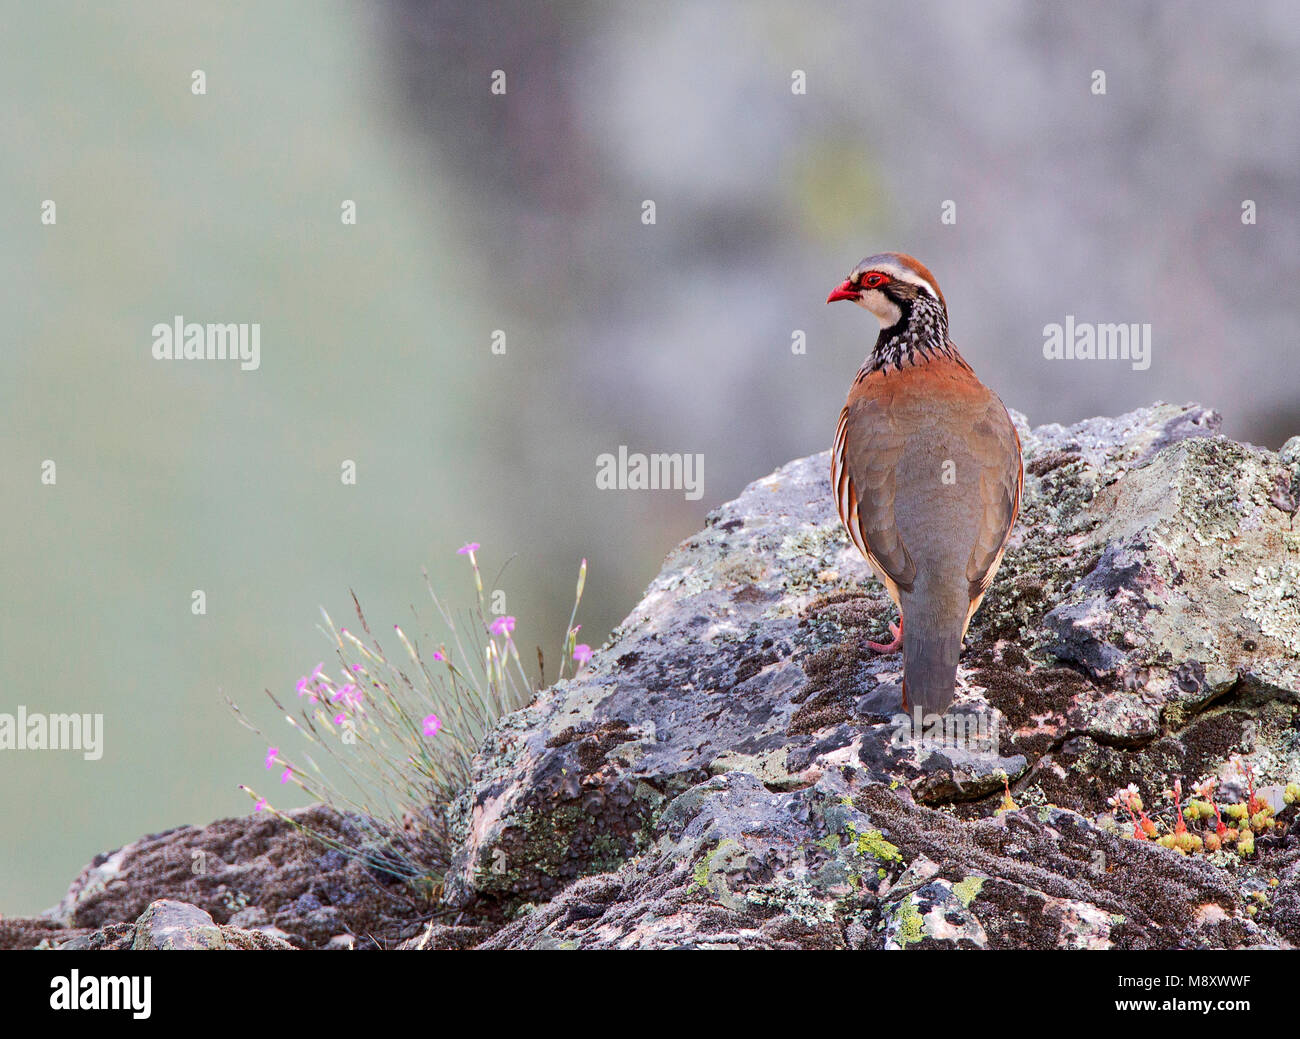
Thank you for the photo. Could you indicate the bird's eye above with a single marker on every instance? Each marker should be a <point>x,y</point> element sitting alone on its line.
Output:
<point>874,280</point>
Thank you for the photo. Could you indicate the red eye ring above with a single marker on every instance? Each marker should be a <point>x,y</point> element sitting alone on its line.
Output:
<point>874,280</point>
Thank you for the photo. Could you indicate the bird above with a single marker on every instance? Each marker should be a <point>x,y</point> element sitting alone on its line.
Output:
<point>926,472</point>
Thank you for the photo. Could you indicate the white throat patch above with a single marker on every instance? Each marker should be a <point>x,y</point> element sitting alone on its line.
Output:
<point>885,309</point>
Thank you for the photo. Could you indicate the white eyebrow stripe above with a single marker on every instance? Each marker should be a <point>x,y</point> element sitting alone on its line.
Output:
<point>905,274</point>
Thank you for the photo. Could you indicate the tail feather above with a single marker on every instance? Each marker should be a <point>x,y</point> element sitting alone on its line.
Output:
<point>929,667</point>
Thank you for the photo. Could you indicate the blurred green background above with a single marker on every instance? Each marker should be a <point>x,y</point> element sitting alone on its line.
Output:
<point>522,212</point>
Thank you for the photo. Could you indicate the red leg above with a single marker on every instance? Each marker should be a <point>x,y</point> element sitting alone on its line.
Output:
<point>890,647</point>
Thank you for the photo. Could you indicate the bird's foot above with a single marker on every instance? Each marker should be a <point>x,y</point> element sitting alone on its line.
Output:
<point>889,647</point>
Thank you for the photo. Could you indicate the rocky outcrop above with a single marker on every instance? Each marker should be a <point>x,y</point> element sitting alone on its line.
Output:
<point>729,772</point>
<point>731,769</point>
<point>258,874</point>
<point>171,926</point>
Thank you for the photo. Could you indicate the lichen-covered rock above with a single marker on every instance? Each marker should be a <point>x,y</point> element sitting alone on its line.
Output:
<point>171,926</point>
<point>1195,585</point>
<point>257,873</point>
<point>168,925</point>
<point>738,866</point>
<point>731,770</point>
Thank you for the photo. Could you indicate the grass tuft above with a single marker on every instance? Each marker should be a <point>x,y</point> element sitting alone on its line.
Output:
<point>388,739</point>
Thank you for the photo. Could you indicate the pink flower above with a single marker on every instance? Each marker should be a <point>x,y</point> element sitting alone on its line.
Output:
<point>432,723</point>
<point>286,775</point>
<point>271,752</point>
<point>351,695</point>
<point>467,548</point>
<point>502,626</point>
<point>261,803</point>
<point>306,685</point>
<point>340,718</point>
<point>581,652</point>
<point>356,668</point>
<point>438,655</point>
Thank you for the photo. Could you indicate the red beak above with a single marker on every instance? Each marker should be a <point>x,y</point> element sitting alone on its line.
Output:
<point>845,291</point>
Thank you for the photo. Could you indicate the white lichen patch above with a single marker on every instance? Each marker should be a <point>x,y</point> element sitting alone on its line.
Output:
<point>1273,602</point>
<point>1083,926</point>
<point>797,898</point>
